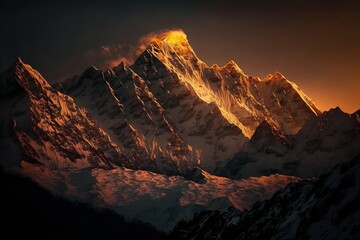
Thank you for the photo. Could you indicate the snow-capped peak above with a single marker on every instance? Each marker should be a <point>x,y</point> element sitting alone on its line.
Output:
<point>49,126</point>
<point>176,75</point>
<point>30,79</point>
<point>171,46</point>
<point>8,85</point>
<point>275,76</point>
<point>232,66</point>
<point>176,37</point>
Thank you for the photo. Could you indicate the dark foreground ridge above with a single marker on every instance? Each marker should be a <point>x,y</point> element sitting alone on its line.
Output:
<point>34,212</point>
<point>325,209</point>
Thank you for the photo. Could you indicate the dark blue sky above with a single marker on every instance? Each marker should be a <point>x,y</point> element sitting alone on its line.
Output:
<point>313,43</point>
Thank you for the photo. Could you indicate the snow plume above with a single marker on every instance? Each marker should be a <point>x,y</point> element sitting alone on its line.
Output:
<point>171,35</point>
<point>108,56</point>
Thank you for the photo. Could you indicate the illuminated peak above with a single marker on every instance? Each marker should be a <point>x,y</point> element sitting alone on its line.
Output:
<point>175,37</point>
<point>275,76</point>
<point>232,67</point>
<point>215,66</point>
<point>19,60</point>
<point>21,76</point>
<point>8,84</point>
<point>169,42</point>
<point>19,64</point>
<point>231,63</point>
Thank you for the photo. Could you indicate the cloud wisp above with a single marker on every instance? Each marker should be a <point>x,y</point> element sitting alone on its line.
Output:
<point>108,56</point>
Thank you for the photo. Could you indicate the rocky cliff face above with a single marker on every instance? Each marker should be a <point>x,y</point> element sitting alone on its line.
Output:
<point>42,125</point>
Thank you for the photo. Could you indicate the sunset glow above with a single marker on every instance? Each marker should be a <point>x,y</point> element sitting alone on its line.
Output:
<point>175,37</point>
<point>180,119</point>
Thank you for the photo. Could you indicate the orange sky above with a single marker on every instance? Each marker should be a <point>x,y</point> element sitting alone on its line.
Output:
<point>346,95</point>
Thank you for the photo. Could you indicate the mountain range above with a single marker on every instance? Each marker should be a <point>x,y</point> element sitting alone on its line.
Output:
<point>168,136</point>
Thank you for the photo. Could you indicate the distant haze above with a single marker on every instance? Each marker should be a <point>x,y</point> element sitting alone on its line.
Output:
<point>313,43</point>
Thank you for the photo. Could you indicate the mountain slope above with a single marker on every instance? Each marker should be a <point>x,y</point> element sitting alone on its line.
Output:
<point>124,107</point>
<point>163,142</point>
<point>42,125</point>
<point>236,95</point>
<point>154,198</point>
<point>330,138</point>
<point>325,209</point>
<point>221,105</point>
<point>92,92</point>
<point>201,124</point>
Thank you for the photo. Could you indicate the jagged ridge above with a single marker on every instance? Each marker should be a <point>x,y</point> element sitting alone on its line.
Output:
<point>51,129</point>
<point>170,112</point>
<point>325,209</point>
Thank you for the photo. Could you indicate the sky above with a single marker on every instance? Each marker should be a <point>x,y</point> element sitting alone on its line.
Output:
<point>315,43</point>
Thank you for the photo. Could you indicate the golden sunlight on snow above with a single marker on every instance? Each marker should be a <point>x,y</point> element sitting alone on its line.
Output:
<point>135,193</point>
<point>170,36</point>
<point>175,37</point>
